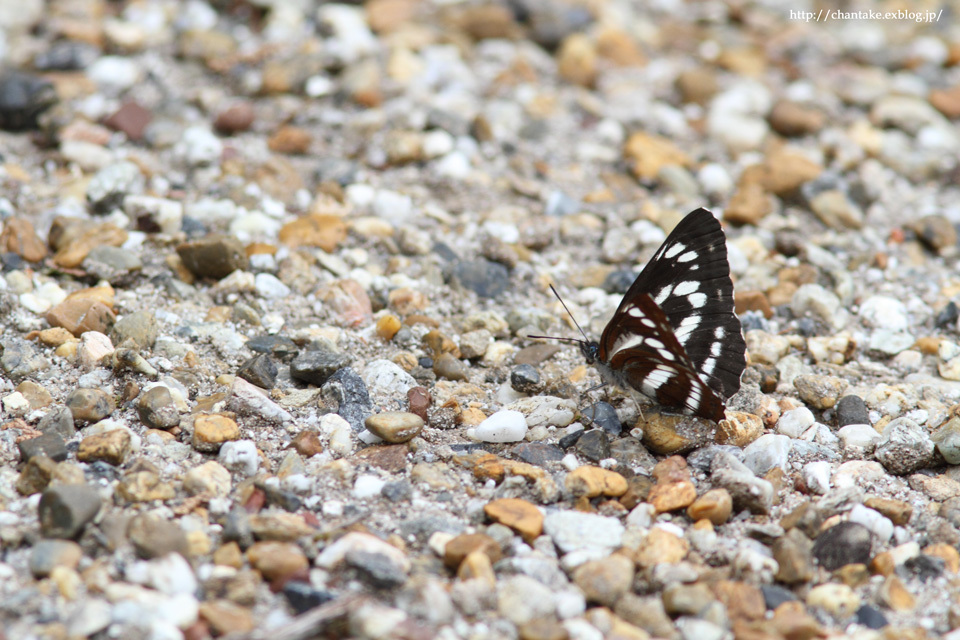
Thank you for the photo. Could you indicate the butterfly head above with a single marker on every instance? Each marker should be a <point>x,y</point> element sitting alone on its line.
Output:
<point>590,350</point>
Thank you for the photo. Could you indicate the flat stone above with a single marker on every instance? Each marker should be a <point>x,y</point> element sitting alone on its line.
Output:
<point>259,370</point>
<point>79,315</point>
<point>65,510</point>
<point>486,279</point>
<point>841,544</point>
<point>459,547</point>
<point>59,419</point>
<point>277,560</point>
<point>793,553</point>
<point>538,453</point>
<point>594,445</point>
<point>20,359</point>
<point>49,444</point>
<point>144,486</point>
<point>315,230</point>
<point>316,367</point>
<point>139,326</point>
<point>573,531</point>
<point>394,426</point>
<point>590,481</point>
<point>518,514</point>
<point>111,447</point>
<point>661,546</point>
<point>536,354</point>
<point>153,536</point>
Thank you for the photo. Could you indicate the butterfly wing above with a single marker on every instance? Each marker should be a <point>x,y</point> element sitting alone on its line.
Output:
<point>644,350</point>
<point>689,279</point>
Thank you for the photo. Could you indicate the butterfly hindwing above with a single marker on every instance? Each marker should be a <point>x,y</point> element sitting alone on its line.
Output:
<point>688,278</point>
<point>643,348</point>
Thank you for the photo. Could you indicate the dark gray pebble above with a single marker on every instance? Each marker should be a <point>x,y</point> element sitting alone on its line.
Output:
<point>397,491</point>
<point>376,569</point>
<point>604,415</point>
<point>926,567</point>
<point>852,410</point>
<point>23,97</point>
<point>618,281</point>
<point>65,510</point>
<point>316,367</point>
<point>157,409</point>
<point>260,370</point>
<point>594,445</point>
<point>58,419</point>
<point>50,444</point>
<point>871,617</point>
<point>947,318</point>
<point>486,279</point>
<point>280,347</point>
<point>775,595</point>
<point>524,378</point>
<point>538,453</point>
<point>347,390</point>
<point>303,597</point>
<point>842,544</point>
<point>21,359</point>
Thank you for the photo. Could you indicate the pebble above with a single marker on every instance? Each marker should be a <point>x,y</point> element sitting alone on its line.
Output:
<point>604,416</point>
<point>154,537</point>
<point>50,445</point>
<point>518,514</point>
<point>394,426</point>
<point>385,378</point>
<point>240,456</point>
<point>715,505</point>
<point>604,581</point>
<point>25,97</point>
<point>260,370</point>
<point>904,447</point>
<point>317,366</point>
<point>212,431</point>
<point>210,478</point>
<point>20,359</point>
<point>841,544</point>
<point>524,378</point>
<point>502,426</point>
<point>486,279</point>
<point>575,531</point>
<point>852,410</point>
<point>794,422</point>
<point>214,256</point>
<point>65,510</point>
<point>111,447</point>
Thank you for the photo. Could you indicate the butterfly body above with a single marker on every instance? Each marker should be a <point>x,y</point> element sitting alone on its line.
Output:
<point>675,337</point>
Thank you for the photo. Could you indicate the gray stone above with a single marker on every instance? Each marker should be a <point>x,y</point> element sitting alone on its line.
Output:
<point>842,544</point>
<point>65,510</point>
<point>157,408</point>
<point>260,370</point>
<point>48,444</point>
<point>58,419</point>
<point>111,184</point>
<point>49,554</point>
<point>139,326</point>
<point>904,447</point>
<point>114,264</point>
<point>21,359</point>
<point>316,367</point>
<point>153,536</point>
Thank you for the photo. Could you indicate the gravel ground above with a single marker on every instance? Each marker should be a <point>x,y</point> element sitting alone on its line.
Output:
<point>268,269</point>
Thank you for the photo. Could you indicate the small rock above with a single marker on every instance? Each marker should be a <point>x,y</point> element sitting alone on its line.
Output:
<point>594,445</point>
<point>90,405</point>
<point>210,478</point>
<point>395,426</point>
<point>715,505</point>
<point>820,392</point>
<point>574,531</point>
<point>111,447</point>
<point>418,402</point>
<point>211,431</point>
<point>794,555</point>
<point>46,555</point>
<point>23,97</point>
<point>593,481</point>
<point>157,408</point>
<point>277,560</point>
<point>225,617</point>
<point>738,429</point>
<point>604,581</point>
<point>486,279</point>
<point>49,444</point>
<point>852,410</point>
<point>214,256</point>
<point>314,230</point>
<point>521,516</point>
<point>236,118</point>
<point>241,456</point>
<point>841,544</point>
<point>144,486</point>
<point>65,510</point>
<point>904,447</point>
<point>260,370</point>
<point>139,326</point>
<point>502,426</point>
<point>524,379</point>
<point>153,536</point>
<point>19,359</point>
<point>604,416</point>
<point>316,366</point>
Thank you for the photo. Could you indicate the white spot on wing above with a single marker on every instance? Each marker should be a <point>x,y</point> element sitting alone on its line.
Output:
<point>708,366</point>
<point>695,397</point>
<point>687,327</point>
<point>715,349</point>
<point>697,300</point>
<point>653,342</point>
<point>636,312</point>
<point>687,257</point>
<point>664,294</point>
<point>674,250</point>
<point>685,288</point>
<point>666,354</point>
<point>658,377</point>
<point>718,333</point>
<point>647,322</point>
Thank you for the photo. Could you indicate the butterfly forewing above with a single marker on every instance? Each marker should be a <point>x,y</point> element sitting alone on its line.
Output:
<point>644,350</point>
<point>689,279</point>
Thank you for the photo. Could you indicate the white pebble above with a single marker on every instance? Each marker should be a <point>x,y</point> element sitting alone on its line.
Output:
<point>715,180</point>
<point>332,508</point>
<point>816,475</point>
<point>367,486</point>
<point>503,426</point>
<point>569,462</point>
<point>793,422</point>
<point>454,165</point>
<point>199,146</point>
<point>393,207</point>
<point>269,286</point>
<point>114,73</point>
<point>15,404</point>
<point>879,525</point>
<point>93,347</point>
<point>437,143</point>
<point>241,456</point>
<point>884,312</point>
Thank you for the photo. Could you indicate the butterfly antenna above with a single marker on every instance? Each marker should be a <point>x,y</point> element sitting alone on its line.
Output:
<point>570,314</point>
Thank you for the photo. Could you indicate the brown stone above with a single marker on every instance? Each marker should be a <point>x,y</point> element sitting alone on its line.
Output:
<point>714,505</point>
<point>661,546</point>
<point>36,475</point>
<point>19,237</point>
<point>111,447</point>
<point>229,555</point>
<point>276,560</point>
<point>307,443</point>
<point>486,21</point>
<point>144,486</point>
<point>235,119</point>
<point>477,566</point>
<point>518,514</point>
<point>348,302</point>
<point>79,315</point>
<point>947,101</point>
<point>290,140</point>
<point>466,543</point>
<point>388,326</point>
<point>792,621</point>
<point>748,205</point>
<point>577,60</point>
<point>894,594</point>
<point>225,617</point>
<point>739,429</point>
<point>391,458</point>
<point>883,564</point>
<point>619,47</point>
<point>743,601</point>
<point>948,552</point>
<point>793,119</point>
<point>752,301</point>
<point>591,481</point>
<point>785,171</point>
<point>697,85</point>
<point>438,343</point>
<point>211,431</point>
<point>853,575</point>
<point>604,581</point>
<point>389,15</point>
<point>647,154</point>
<point>672,469</point>
<point>794,554</point>
<point>671,496</point>
<point>669,434</point>
<point>131,119</point>
<point>36,395</point>
<point>543,629</point>
<point>73,240</point>
<point>419,401</point>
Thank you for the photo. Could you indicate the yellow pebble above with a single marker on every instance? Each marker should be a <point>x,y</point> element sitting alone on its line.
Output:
<point>387,326</point>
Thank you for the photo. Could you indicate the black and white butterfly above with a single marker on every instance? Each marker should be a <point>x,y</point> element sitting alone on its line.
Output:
<point>675,337</point>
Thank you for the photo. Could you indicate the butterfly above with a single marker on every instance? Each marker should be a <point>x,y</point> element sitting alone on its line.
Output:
<point>675,337</point>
